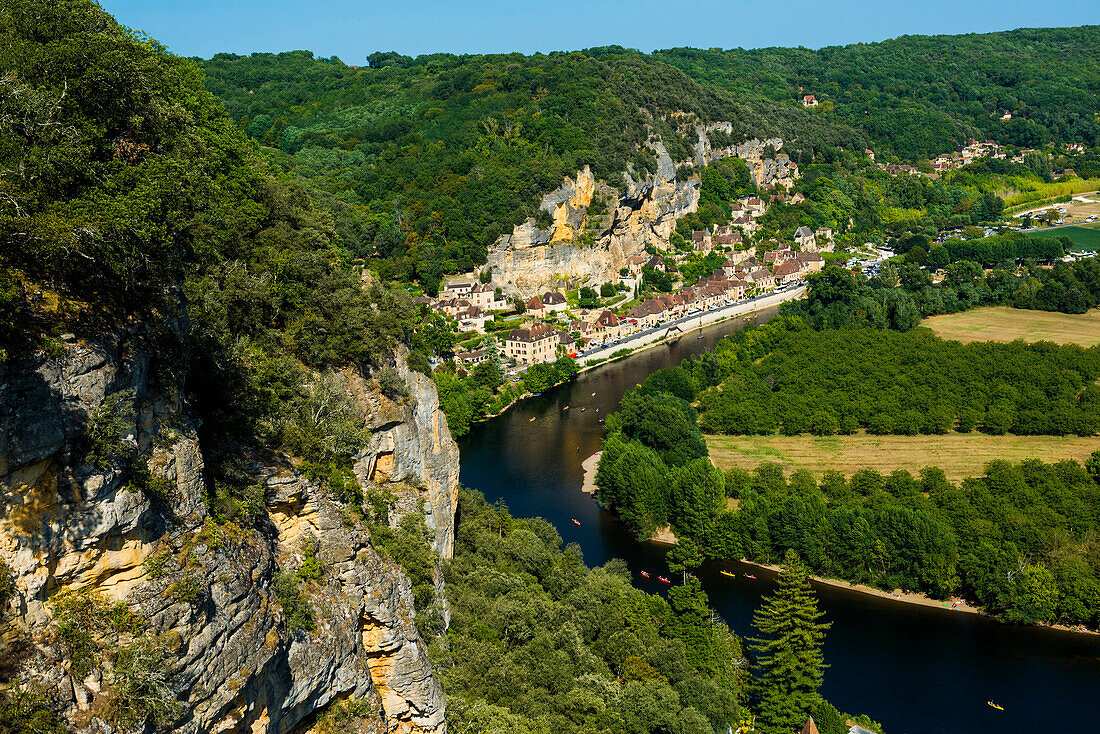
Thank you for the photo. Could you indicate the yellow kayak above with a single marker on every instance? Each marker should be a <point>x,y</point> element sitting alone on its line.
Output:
<point>731,575</point>
<point>999,708</point>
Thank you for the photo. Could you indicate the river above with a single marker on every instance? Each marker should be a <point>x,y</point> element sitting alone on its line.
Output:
<point>916,669</point>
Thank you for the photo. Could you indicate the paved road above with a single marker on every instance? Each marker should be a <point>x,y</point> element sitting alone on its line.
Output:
<point>689,321</point>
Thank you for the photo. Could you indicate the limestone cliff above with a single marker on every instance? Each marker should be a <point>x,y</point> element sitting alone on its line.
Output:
<point>235,665</point>
<point>596,227</point>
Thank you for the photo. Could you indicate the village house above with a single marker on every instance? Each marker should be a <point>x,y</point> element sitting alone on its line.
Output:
<point>804,237</point>
<point>779,255</point>
<point>553,302</point>
<point>535,343</point>
<point>535,307</point>
<point>755,206</point>
<point>469,359</point>
<point>809,101</point>
<point>606,326</point>
<point>647,313</point>
<point>700,240</point>
<point>484,296</point>
<point>471,318</point>
<point>634,263</point>
<point>798,198</point>
<point>657,263</point>
<point>451,306</point>
<point>454,287</point>
<point>746,222</point>
<point>567,342</point>
<point>761,279</point>
<point>787,271</point>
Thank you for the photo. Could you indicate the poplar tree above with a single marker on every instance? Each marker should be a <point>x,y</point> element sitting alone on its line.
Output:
<point>789,661</point>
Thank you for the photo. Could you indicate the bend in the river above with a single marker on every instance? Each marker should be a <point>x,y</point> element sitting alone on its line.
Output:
<point>918,670</point>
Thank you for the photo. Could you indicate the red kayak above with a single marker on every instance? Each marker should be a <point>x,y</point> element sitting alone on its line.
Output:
<point>576,521</point>
<point>663,580</point>
<point>645,574</point>
<point>750,576</point>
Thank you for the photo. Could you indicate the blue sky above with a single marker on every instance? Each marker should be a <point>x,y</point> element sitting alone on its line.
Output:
<point>351,30</point>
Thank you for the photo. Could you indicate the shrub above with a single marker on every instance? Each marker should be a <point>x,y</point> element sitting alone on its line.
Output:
<point>299,613</point>
<point>83,617</point>
<point>140,688</point>
<point>392,386</point>
<point>109,426</point>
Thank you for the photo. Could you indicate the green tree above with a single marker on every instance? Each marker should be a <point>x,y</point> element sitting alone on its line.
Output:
<point>789,662</point>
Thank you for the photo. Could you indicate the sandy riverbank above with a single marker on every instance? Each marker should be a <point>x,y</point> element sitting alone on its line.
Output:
<point>589,466</point>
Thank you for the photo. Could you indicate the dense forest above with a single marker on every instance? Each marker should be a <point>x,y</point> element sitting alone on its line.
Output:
<point>921,95</point>
<point>540,643</point>
<point>424,162</point>
<point>1019,540</point>
<point>799,380</point>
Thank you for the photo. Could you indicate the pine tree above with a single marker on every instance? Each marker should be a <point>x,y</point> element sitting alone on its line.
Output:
<point>789,661</point>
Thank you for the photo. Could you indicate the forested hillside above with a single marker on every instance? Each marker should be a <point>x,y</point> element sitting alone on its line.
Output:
<point>922,95</point>
<point>426,161</point>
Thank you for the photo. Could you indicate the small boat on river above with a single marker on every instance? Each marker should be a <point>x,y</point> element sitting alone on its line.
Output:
<point>532,418</point>
<point>645,574</point>
<point>731,575</point>
<point>999,708</point>
<point>663,580</point>
<point>576,521</point>
<point>750,576</point>
<point>566,408</point>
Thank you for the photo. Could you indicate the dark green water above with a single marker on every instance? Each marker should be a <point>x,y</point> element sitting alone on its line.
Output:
<point>918,670</point>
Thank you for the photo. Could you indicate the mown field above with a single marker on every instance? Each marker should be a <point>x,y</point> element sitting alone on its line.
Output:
<point>960,455</point>
<point>1005,324</point>
<point>1084,237</point>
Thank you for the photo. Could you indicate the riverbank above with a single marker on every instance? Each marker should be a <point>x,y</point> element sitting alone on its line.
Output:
<point>624,349</point>
<point>665,536</point>
<point>954,603</point>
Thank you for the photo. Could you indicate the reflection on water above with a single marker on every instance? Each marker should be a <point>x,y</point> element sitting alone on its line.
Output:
<point>916,669</point>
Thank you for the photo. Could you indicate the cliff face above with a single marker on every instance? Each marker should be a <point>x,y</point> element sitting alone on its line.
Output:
<point>235,665</point>
<point>591,246</point>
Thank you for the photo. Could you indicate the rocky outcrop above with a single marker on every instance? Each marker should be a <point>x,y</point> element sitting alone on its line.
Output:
<point>589,245</point>
<point>208,589</point>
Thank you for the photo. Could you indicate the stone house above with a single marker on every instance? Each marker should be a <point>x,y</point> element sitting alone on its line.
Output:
<point>804,236</point>
<point>553,302</point>
<point>535,343</point>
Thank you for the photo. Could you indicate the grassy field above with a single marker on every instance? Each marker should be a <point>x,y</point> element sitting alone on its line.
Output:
<point>1084,237</point>
<point>1004,324</point>
<point>960,455</point>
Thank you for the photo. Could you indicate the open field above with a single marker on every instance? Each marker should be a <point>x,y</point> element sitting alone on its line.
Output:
<point>960,455</point>
<point>1005,324</point>
<point>1085,237</point>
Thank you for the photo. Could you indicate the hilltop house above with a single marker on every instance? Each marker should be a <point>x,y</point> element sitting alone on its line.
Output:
<point>809,101</point>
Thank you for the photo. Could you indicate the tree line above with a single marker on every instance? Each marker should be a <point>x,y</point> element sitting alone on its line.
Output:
<point>1020,540</point>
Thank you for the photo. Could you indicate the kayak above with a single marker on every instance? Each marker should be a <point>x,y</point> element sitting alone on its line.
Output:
<point>576,521</point>
<point>645,574</point>
<point>731,575</point>
<point>532,418</point>
<point>750,576</point>
<point>663,580</point>
<point>999,708</point>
